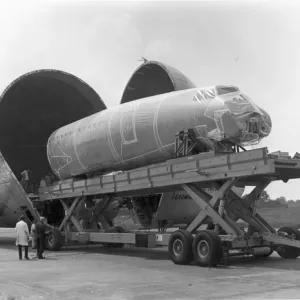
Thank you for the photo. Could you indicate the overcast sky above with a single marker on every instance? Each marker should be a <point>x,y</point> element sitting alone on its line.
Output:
<point>252,45</point>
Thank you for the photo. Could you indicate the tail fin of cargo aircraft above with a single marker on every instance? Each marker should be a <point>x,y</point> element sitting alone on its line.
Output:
<point>13,200</point>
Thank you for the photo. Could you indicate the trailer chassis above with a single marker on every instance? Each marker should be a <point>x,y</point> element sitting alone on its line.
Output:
<point>191,173</point>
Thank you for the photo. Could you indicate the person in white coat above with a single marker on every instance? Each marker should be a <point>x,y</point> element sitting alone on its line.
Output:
<point>22,237</point>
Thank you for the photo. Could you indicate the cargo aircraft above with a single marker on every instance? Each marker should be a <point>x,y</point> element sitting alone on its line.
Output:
<point>52,121</point>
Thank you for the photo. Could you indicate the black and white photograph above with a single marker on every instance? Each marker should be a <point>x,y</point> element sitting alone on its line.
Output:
<point>149,150</point>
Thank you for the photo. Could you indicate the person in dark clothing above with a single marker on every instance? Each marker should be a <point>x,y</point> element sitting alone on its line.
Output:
<point>40,229</point>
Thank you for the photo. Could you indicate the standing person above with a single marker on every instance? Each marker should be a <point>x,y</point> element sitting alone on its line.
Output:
<point>40,237</point>
<point>22,237</point>
<point>33,235</point>
<point>41,233</point>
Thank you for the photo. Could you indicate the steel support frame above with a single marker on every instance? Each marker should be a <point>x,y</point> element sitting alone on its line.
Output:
<point>208,205</point>
<point>252,201</point>
<point>242,209</point>
<point>69,211</point>
<point>277,240</point>
<point>261,233</point>
<point>83,235</point>
<point>265,239</point>
<point>186,143</point>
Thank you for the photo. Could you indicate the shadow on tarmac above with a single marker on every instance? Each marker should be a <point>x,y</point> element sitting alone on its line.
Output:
<point>161,253</point>
<point>147,253</point>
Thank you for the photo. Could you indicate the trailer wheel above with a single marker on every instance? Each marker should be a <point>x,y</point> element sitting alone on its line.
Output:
<point>207,248</point>
<point>289,251</point>
<point>180,247</point>
<point>54,240</point>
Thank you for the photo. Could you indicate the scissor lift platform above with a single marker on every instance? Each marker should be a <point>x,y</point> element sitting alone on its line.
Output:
<point>193,173</point>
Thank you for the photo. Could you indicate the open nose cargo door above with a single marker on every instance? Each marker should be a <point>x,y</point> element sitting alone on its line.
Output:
<point>13,197</point>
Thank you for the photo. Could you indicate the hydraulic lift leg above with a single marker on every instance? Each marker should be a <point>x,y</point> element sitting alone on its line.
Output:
<point>252,200</point>
<point>241,208</point>
<point>206,246</point>
<point>208,205</point>
<point>69,214</point>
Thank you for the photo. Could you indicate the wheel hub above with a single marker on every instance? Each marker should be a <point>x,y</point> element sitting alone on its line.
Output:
<point>51,240</point>
<point>202,249</point>
<point>177,247</point>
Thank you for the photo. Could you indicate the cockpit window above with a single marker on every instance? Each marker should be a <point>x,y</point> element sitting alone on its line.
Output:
<point>222,89</point>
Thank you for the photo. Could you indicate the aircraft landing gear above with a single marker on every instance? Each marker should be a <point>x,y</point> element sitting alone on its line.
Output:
<point>54,240</point>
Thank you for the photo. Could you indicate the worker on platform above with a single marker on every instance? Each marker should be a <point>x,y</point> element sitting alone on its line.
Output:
<point>22,237</point>
<point>43,183</point>
<point>25,180</point>
<point>48,179</point>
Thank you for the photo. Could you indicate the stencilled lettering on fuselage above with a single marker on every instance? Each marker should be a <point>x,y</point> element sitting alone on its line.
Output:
<point>184,196</point>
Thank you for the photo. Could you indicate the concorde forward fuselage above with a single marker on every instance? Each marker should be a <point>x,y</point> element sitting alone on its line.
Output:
<point>142,132</point>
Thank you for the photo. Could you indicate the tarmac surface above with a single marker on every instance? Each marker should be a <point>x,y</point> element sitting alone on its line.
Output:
<point>94,272</point>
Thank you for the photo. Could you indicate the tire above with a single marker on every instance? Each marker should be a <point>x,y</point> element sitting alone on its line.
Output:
<point>289,252</point>
<point>116,229</point>
<point>54,240</point>
<point>207,248</point>
<point>180,247</point>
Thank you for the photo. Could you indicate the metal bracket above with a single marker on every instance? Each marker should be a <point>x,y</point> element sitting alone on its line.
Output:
<point>186,143</point>
<point>280,240</point>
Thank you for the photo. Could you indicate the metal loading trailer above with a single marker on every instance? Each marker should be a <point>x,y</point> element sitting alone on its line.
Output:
<point>191,173</point>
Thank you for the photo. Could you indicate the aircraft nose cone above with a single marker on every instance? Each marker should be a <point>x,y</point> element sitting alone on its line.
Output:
<point>253,122</point>
<point>266,123</point>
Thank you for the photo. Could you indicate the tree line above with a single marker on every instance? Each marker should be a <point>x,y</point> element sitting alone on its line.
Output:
<point>265,200</point>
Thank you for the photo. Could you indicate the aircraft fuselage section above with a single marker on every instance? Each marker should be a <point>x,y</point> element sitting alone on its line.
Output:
<point>142,132</point>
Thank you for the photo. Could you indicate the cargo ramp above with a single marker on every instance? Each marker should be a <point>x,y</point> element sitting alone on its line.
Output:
<point>14,202</point>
